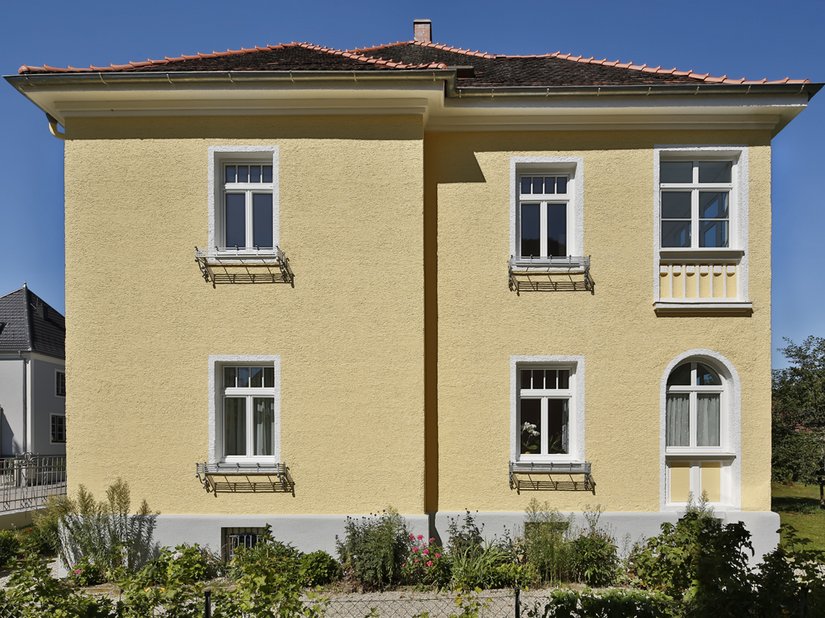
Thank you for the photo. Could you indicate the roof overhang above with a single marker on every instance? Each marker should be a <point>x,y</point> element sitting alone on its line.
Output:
<point>431,93</point>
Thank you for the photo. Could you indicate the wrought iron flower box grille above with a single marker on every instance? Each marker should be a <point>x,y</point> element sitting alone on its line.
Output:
<point>551,476</point>
<point>550,274</point>
<point>245,478</point>
<point>243,267</point>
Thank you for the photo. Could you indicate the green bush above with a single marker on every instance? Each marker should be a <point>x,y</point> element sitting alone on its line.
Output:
<point>427,563</point>
<point>85,573</point>
<point>796,456</point>
<point>488,567</point>
<point>548,550</point>
<point>43,537</point>
<point>318,568</point>
<point>464,535</point>
<point>619,603</point>
<point>105,534</point>
<point>9,546</point>
<point>595,558</point>
<point>181,566</point>
<point>374,549</point>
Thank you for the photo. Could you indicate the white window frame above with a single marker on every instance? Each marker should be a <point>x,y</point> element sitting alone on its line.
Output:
<point>216,406</point>
<point>573,169</point>
<point>57,373</point>
<point>737,212</point>
<point>729,451</point>
<point>51,429</point>
<point>574,394</point>
<point>693,391</point>
<point>219,156</point>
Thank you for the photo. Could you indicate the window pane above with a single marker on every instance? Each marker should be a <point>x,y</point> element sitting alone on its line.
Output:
<point>262,219</point>
<point>538,185</point>
<point>525,378</point>
<point>561,184</point>
<point>229,374</point>
<point>713,233</point>
<point>269,377</point>
<point>235,223</point>
<point>705,376</point>
<point>557,229</point>
<point>676,233</point>
<point>243,377</point>
<point>677,422</point>
<point>550,378</point>
<point>530,230</point>
<point>264,421</point>
<point>255,173</point>
<point>713,204</point>
<point>680,376</point>
<point>549,184</point>
<point>267,173</point>
<point>564,378</point>
<point>243,173</point>
<point>707,420</point>
<point>557,426</point>
<point>530,426</point>
<point>715,171</point>
<point>234,426</point>
<point>676,171</point>
<point>229,173</point>
<point>526,183</point>
<point>675,204</point>
<point>256,377</point>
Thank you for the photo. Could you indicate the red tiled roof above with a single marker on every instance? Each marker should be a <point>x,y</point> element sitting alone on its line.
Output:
<point>489,70</point>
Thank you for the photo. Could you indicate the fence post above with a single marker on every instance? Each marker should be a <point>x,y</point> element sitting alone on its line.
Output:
<point>207,604</point>
<point>518,602</point>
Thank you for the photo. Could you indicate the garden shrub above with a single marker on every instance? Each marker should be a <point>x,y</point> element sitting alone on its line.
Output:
<point>595,558</point>
<point>464,535</point>
<point>9,546</point>
<point>183,565</point>
<point>427,563</point>
<point>374,549</point>
<point>105,534</point>
<point>548,550</point>
<point>616,603</point>
<point>43,536</point>
<point>489,567</point>
<point>318,568</point>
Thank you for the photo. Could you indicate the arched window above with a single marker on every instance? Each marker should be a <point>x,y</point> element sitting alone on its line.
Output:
<point>700,438</point>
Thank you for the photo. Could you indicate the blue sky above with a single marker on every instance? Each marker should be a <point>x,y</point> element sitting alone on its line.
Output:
<point>752,38</point>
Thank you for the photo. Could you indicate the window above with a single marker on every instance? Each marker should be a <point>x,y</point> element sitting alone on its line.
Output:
<point>696,199</point>
<point>547,409</point>
<point>543,216</point>
<point>245,410</point>
<point>234,538</point>
<point>244,199</point>
<point>694,402</point>
<point>60,383</point>
<point>58,429</point>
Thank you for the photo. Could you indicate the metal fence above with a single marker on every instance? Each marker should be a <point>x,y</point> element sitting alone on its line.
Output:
<point>28,481</point>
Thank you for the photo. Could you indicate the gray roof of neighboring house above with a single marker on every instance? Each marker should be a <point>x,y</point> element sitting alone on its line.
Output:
<point>29,324</point>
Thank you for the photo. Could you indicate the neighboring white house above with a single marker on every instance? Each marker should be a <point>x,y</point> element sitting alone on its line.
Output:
<point>32,376</point>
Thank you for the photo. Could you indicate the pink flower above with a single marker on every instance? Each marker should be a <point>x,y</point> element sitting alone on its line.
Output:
<point>429,563</point>
<point>426,551</point>
<point>415,549</point>
<point>432,540</point>
<point>437,555</point>
<point>412,536</point>
<point>420,537</point>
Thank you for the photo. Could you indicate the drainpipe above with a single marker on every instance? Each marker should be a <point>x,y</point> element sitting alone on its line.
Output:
<point>27,405</point>
<point>53,127</point>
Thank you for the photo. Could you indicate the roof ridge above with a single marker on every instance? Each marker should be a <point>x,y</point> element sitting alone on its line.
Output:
<point>705,77</point>
<point>457,50</point>
<point>354,55</point>
<point>359,50</point>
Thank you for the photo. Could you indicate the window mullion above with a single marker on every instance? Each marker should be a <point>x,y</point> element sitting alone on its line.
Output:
<point>543,229</point>
<point>545,448</point>
<point>250,430</point>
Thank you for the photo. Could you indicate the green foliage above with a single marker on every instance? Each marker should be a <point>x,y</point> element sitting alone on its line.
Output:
<point>105,534</point>
<point>374,549</point>
<point>86,573</point>
<point>595,559</point>
<point>490,566</point>
<point>617,603</point>
<point>43,537</point>
<point>318,568</point>
<point>181,566</point>
<point>465,534</point>
<point>9,546</point>
<point>699,560</point>
<point>548,550</point>
<point>427,563</point>
<point>797,455</point>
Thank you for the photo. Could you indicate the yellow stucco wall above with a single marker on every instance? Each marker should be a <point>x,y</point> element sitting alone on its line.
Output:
<point>626,347</point>
<point>143,322</point>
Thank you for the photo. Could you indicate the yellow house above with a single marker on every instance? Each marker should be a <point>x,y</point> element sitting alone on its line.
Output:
<point>304,283</point>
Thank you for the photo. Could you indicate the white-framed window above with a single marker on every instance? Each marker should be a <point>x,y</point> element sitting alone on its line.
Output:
<point>700,431</point>
<point>696,198</point>
<point>244,199</point>
<point>546,207</point>
<point>60,383</point>
<point>547,409</point>
<point>245,409</point>
<point>57,429</point>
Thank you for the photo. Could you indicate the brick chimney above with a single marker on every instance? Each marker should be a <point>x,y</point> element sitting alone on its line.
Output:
<point>423,30</point>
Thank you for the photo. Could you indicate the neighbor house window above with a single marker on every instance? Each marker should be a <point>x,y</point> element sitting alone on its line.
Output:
<point>60,383</point>
<point>244,199</point>
<point>248,411</point>
<point>696,202</point>
<point>58,429</point>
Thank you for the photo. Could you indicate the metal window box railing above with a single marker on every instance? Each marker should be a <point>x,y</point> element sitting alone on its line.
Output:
<point>550,274</point>
<point>551,476</point>
<point>245,478</point>
<point>237,266</point>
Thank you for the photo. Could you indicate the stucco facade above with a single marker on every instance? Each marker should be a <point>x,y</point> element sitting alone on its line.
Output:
<point>398,351</point>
